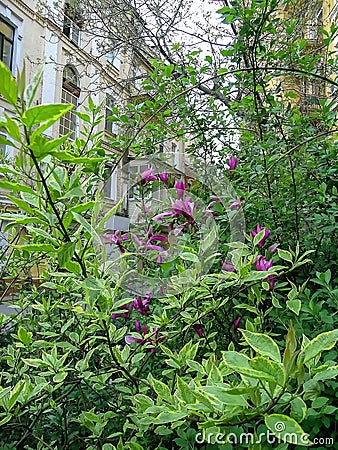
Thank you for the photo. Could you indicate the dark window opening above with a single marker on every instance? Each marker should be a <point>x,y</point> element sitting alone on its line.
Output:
<point>6,43</point>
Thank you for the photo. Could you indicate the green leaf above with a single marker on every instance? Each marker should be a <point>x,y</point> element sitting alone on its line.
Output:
<point>185,391</point>
<point>220,395</point>
<point>24,336</point>
<point>327,374</point>
<point>324,341</point>
<point>44,113</point>
<point>8,87</point>
<point>87,226</point>
<point>15,187</point>
<point>110,213</point>
<point>21,204</point>
<point>48,248</point>
<point>272,368</point>
<point>298,409</point>
<point>294,305</point>
<point>188,256</point>
<point>285,255</point>
<point>160,388</point>
<point>66,253</point>
<point>15,394</point>
<point>13,129</point>
<point>169,417</point>
<point>262,344</point>
<point>59,377</point>
<point>241,364</point>
<point>287,429</point>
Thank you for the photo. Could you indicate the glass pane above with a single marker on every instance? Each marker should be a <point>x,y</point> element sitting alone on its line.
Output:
<point>7,53</point>
<point>70,75</point>
<point>6,30</point>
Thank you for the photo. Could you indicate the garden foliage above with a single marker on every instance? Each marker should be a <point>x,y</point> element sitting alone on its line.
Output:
<point>250,346</point>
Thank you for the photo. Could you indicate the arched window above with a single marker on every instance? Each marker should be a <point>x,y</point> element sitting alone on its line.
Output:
<point>69,94</point>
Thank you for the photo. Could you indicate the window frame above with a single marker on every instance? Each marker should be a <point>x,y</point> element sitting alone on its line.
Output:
<point>3,39</point>
<point>110,126</point>
<point>114,57</point>
<point>71,90</point>
<point>111,183</point>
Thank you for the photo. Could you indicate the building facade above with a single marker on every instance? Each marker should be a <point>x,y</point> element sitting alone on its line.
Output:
<point>77,66</point>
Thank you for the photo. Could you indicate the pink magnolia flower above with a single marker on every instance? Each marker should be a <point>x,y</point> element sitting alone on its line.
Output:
<point>164,177</point>
<point>167,179</point>
<point>179,185</point>
<point>233,161</point>
<point>236,204</point>
<point>272,249</point>
<point>141,306</point>
<point>147,242</point>
<point>115,239</point>
<point>199,330</point>
<point>153,340</point>
<point>258,230</point>
<point>263,265</point>
<point>159,217</point>
<point>184,208</point>
<point>147,176</point>
<point>237,322</point>
<point>228,266</point>
<point>215,199</point>
<point>125,314</point>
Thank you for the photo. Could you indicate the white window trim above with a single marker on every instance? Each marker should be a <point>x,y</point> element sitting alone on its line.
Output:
<point>9,16</point>
<point>112,194</point>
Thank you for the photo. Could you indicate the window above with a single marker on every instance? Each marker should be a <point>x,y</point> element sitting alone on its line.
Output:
<point>110,187</point>
<point>134,170</point>
<point>69,94</point>
<point>73,21</point>
<point>71,30</point>
<point>110,126</point>
<point>114,57</point>
<point>138,78</point>
<point>163,147</point>
<point>6,43</point>
<point>175,152</point>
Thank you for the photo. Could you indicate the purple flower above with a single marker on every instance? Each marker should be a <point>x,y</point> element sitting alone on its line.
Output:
<point>237,321</point>
<point>199,330</point>
<point>272,249</point>
<point>215,199</point>
<point>141,306</point>
<point>164,214</point>
<point>147,176</point>
<point>228,266</point>
<point>154,340</point>
<point>185,208</point>
<point>233,161</point>
<point>115,239</point>
<point>147,242</point>
<point>263,265</point>
<point>179,185</point>
<point>236,204</point>
<point>164,177</point>
<point>125,314</point>
<point>258,230</point>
